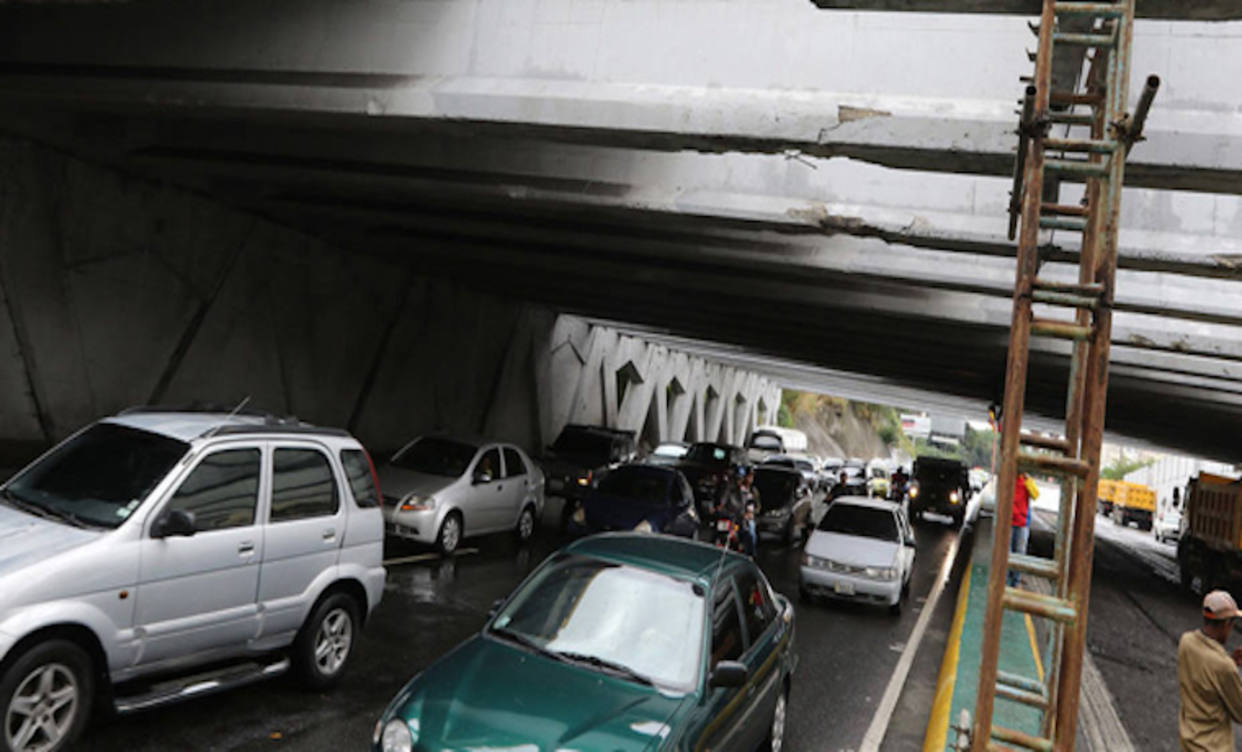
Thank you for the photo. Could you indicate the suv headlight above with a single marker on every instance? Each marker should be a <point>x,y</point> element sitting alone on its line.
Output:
<point>397,737</point>
<point>643,527</point>
<point>914,492</point>
<point>416,503</point>
<point>954,497</point>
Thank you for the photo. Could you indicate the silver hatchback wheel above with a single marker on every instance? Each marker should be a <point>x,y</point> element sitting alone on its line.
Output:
<point>42,710</point>
<point>778,724</point>
<point>450,533</point>
<point>526,524</point>
<point>334,641</point>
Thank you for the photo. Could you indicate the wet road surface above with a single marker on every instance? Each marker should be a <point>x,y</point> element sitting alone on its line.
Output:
<point>847,653</point>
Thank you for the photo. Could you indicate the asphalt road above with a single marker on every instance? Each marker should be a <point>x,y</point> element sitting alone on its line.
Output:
<point>1137,614</point>
<point>847,654</point>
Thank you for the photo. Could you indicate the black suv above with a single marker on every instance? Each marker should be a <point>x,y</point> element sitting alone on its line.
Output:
<point>579,456</point>
<point>941,486</point>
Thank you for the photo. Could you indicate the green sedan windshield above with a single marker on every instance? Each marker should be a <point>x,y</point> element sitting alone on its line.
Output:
<point>581,609</point>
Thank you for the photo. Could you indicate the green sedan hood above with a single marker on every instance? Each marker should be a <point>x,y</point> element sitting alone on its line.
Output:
<point>491,695</point>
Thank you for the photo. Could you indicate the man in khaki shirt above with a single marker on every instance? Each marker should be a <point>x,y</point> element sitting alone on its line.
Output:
<point>1208,676</point>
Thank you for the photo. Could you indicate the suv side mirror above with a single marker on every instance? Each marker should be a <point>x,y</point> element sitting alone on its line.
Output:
<point>910,541</point>
<point>481,476</point>
<point>496,604</point>
<point>729,674</point>
<point>176,522</point>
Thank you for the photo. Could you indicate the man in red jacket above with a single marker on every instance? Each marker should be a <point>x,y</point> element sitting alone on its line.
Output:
<point>1020,530</point>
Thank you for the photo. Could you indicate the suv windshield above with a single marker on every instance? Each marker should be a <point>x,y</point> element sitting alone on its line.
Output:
<point>712,454</point>
<point>938,473</point>
<point>776,487</point>
<point>591,448</point>
<point>767,441</point>
<point>436,456</point>
<point>604,615</point>
<point>636,483</point>
<point>100,476</point>
<point>866,522</point>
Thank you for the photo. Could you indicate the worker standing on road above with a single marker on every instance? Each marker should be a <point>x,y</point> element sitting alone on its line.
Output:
<point>1208,676</point>
<point>1025,489</point>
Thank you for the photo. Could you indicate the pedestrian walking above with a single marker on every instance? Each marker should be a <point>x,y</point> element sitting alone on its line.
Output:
<point>1207,675</point>
<point>1025,489</point>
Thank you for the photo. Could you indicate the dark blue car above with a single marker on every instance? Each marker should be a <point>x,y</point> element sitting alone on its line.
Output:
<point>647,498</point>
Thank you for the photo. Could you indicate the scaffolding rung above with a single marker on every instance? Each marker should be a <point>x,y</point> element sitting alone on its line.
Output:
<point>1073,288</point>
<point>1084,40</point>
<point>1038,604</point>
<point>1036,565</point>
<point>1089,145</point>
<point>1071,118</point>
<point>1046,442</point>
<point>1079,168</point>
<point>1018,681</point>
<point>1105,10</point>
<point>1071,97</point>
<point>1061,330</point>
<point>1064,210</point>
<point>1052,463</point>
<point>1026,698</point>
<point>1073,224</point>
<point>1022,739</point>
<point>1065,299</point>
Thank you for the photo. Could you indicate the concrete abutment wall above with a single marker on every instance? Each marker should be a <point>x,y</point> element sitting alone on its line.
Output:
<point>116,292</point>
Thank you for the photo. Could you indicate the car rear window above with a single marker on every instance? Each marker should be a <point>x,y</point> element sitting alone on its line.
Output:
<point>361,481</point>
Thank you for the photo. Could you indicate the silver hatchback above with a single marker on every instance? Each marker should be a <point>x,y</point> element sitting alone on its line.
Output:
<point>212,550</point>
<point>440,490</point>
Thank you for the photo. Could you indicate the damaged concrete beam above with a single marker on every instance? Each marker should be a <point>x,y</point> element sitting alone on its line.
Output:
<point>1184,150</point>
<point>1176,10</point>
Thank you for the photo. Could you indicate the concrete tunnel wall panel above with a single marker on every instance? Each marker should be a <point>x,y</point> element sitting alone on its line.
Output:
<point>118,292</point>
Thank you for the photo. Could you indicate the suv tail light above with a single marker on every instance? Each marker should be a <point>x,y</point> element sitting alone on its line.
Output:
<point>379,492</point>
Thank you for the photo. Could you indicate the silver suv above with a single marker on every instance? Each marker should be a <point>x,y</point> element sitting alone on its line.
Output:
<point>160,543</point>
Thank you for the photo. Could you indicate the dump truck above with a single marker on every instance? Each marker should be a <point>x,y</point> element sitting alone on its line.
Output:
<point>1209,551</point>
<point>1107,496</point>
<point>1134,502</point>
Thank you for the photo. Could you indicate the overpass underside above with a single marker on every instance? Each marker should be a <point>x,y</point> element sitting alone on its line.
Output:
<point>778,205</point>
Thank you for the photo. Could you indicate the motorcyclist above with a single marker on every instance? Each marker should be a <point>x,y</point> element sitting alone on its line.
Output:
<point>900,481</point>
<point>739,504</point>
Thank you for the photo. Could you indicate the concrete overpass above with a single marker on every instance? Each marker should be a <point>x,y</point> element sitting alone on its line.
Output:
<point>814,187</point>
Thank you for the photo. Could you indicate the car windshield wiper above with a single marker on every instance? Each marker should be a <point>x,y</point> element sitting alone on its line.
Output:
<point>607,665</point>
<point>41,510</point>
<point>527,642</point>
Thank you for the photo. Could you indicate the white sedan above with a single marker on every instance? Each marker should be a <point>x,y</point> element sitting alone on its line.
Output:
<point>863,549</point>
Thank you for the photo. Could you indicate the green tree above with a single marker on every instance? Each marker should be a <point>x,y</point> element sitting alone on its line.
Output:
<point>1123,466</point>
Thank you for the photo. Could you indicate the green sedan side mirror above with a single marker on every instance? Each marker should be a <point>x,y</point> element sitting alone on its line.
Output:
<point>729,674</point>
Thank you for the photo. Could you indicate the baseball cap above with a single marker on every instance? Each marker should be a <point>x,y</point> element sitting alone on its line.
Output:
<point>1220,605</point>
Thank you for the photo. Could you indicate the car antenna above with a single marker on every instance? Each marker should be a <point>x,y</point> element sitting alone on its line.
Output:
<point>228,417</point>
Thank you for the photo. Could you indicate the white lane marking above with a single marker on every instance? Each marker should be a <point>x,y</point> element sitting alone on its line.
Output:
<point>892,693</point>
<point>427,557</point>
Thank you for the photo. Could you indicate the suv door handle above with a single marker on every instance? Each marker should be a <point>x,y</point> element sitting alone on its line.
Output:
<point>329,534</point>
<point>245,547</point>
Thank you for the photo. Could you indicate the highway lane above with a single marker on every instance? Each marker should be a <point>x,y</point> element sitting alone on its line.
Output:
<point>846,652</point>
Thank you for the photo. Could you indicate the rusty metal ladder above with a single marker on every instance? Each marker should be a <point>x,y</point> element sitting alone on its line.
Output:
<point>1098,160</point>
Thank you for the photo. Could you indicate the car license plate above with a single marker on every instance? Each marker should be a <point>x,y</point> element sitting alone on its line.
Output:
<point>555,485</point>
<point>843,588</point>
<point>722,525</point>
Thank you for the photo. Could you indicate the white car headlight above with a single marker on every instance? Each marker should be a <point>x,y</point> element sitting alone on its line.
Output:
<point>881,573</point>
<point>416,503</point>
<point>397,737</point>
<point>643,527</point>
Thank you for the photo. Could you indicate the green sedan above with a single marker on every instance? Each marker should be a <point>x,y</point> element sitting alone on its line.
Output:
<point>616,642</point>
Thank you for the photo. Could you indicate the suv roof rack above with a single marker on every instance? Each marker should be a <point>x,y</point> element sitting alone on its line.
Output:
<point>277,426</point>
<point>271,424</point>
<point>199,406</point>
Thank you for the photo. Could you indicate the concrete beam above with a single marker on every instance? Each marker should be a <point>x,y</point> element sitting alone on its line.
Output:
<point>1176,10</point>
<point>1184,150</point>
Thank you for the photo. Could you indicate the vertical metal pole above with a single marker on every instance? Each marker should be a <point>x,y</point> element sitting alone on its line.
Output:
<point>1083,548</point>
<point>1088,253</point>
<point>1015,387</point>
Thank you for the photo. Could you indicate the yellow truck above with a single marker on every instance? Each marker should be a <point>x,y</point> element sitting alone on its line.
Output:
<point>1134,502</point>
<point>1209,551</point>
<point>1107,496</point>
